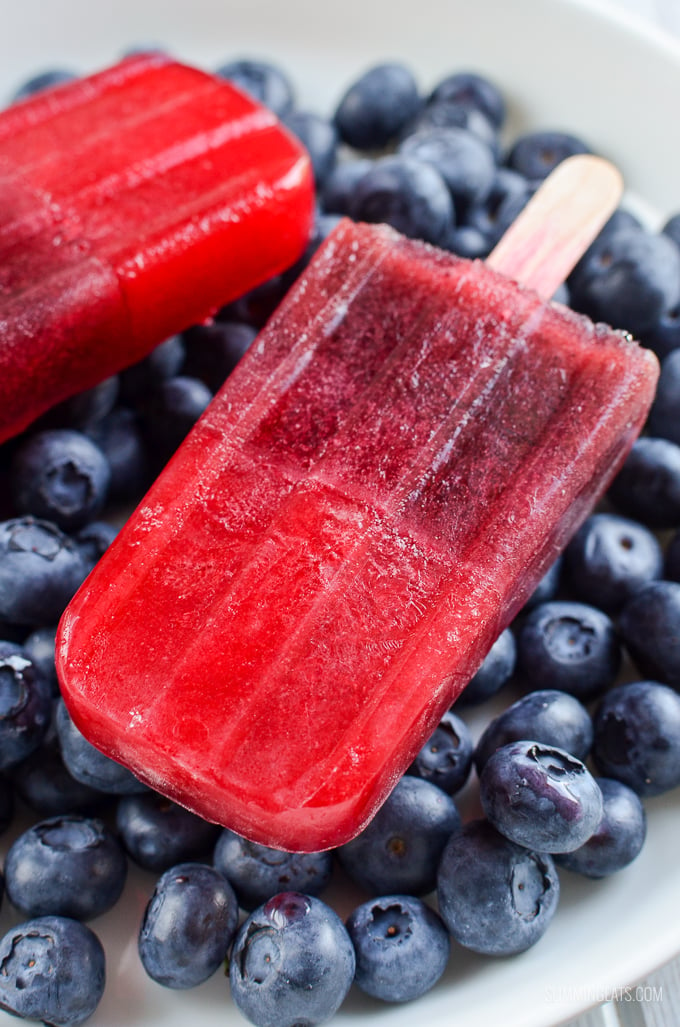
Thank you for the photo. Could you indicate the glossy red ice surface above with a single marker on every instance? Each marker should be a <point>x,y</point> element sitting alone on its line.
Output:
<point>133,203</point>
<point>365,505</point>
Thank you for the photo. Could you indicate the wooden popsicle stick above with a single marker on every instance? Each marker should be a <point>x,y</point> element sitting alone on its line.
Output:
<point>558,224</point>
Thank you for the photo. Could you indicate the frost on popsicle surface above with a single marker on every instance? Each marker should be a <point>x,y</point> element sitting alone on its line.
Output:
<point>366,504</point>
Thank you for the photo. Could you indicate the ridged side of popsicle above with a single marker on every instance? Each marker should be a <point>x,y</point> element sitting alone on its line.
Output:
<point>367,502</point>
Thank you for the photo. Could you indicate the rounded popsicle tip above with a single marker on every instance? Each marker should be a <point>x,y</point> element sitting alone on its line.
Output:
<point>593,171</point>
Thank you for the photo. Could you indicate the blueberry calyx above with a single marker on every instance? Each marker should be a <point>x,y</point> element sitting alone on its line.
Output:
<point>529,885</point>
<point>389,921</point>
<point>13,692</point>
<point>557,764</point>
<point>260,955</point>
<point>69,835</point>
<point>31,535</point>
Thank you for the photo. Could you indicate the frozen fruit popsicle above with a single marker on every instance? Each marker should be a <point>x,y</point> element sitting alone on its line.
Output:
<point>133,203</point>
<point>363,508</point>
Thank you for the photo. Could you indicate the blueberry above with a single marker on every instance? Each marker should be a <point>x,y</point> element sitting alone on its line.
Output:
<point>66,866</point>
<point>628,279</point>
<point>569,646</point>
<point>43,783</point>
<point>214,350</point>
<point>548,586</point>
<point>93,540</point>
<point>257,305</point>
<point>467,241</point>
<point>446,758</point>
<point>163,362</point>
<point>292,962</point>
<point>376,107</point>
<point>618,838</point>
<point>263,81</point>
<point>621,218</point>
<point>157,833</point>
<point>647,488</point>
<point>464,161</point>
<point>188,926</point>
<point>400,848</point>
<point>319,137</point>
<point>536,154</point>
<point>664,417</point>
<point>39,649</point>
<point>170,412</point>
<point>672,228</point>
<point>509,194</point>
<point>338,188</point>
<point>85,408</point>
<point>664,335</point>
<point>52,969</point>
<point>496,670</point>
<point>401,945</point>
<point>548,716</point>
<point>650,629</point>
<point>44,80</point>
<point>25,705</point>
<point>257,872</point>
<point>119,436</point>
<point>637,737</point>
<point>442,114</point>
<point>540,796</point>
<point>90,766</point>
<point>610,558</point>
<point>407,194</point>
<point>61,476</point>
<point>495,897</point>
<point>40,570</point>
<point>471,92</point>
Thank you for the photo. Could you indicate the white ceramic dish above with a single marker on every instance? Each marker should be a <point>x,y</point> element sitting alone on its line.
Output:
<point>563,64</point>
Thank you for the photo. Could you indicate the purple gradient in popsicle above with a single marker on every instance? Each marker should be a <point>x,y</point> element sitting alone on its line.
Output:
<point>365,505</point>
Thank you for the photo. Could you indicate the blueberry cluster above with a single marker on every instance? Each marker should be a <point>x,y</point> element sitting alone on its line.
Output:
<point>561,774</point>
<point>437,166</point>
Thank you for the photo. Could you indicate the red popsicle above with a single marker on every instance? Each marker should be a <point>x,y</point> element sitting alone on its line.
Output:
<point>133,203</point>
<point>365,505</point>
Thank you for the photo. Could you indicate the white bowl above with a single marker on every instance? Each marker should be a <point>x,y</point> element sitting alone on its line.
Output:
<point>562,65</point>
